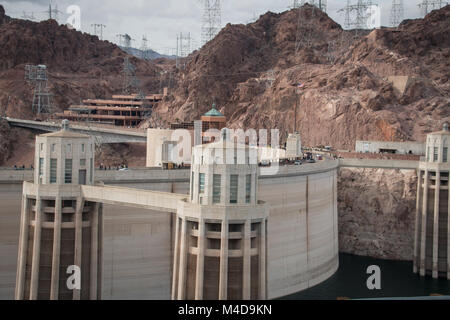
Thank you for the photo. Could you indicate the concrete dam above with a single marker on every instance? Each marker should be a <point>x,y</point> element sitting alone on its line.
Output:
<point>217,231</point>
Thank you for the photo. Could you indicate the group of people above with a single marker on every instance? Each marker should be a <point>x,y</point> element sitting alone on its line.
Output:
<point>22,167</point>
<point>122,166</point>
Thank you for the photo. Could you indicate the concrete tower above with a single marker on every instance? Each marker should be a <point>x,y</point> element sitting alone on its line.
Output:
<point>220,239</point>
<point>60,231</point>
<point>432,237</point>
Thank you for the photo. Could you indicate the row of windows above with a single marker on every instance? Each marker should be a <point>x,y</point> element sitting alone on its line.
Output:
<point>435,155</point>
<point>217,187</point>
<point>68,170</point>
<point>68,147</point>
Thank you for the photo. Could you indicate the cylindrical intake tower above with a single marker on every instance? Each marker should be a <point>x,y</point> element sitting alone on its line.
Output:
<point>60,233</point>
<point>432,237</point>
<point>220,245</point>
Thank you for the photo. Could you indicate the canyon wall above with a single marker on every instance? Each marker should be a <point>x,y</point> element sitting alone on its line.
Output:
<point>377,212</point>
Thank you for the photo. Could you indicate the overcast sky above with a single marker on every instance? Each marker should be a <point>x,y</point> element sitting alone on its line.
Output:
<point>162,20</point>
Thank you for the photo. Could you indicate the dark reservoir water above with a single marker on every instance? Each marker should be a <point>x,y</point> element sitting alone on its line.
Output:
<point>350,281</point>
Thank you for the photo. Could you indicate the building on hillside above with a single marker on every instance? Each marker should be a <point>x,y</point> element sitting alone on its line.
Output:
<point>161,142</point>
<point>294,146</point>
<point>121,110</point>
<point>410,147</point>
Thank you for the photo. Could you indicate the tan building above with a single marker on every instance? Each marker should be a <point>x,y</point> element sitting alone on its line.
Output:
<point>59,229</point>
<point>294,146</point>
<point>432,237</point>
<point>221,242</point>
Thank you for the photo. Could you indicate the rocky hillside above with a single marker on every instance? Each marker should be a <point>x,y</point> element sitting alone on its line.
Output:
<point>80,65</point>
<point>377,212</point>
<point>250,71</point>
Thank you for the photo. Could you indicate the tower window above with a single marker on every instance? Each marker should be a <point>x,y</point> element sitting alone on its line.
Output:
<point>445,155</point>
<point>201,183</point>
<point>234,188</point>
<point>41,167</point>
<point>68,171</point>
<point>82,148</point>
<point>53,166</point>
<point>82,162</point>
<point>248,188</point>
<point>91,171</point>
<point>69,148</point>
<point>216,188</point>
<point>436,152</point>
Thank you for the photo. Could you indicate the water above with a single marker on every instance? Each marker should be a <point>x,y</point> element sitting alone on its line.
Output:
<point>397,280</point>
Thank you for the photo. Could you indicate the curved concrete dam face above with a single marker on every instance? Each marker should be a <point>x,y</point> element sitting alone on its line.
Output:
<point>138,244</point>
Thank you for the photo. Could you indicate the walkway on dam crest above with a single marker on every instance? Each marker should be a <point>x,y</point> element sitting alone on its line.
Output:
<point>102,135</point>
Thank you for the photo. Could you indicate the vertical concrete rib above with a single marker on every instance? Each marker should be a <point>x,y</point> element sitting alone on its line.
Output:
<point>36,250</point>
<point>436,225</point>
<point>54,291</point>
<point>448,231</point>
<point>223,276</point>
<point>262,261</point>
<point>176,259</point>
<point>200,260</point>
<point>23,247</point>
<point>417,224</point>
<point>94,253</point>
<point>423,236</point>
<point>246,276</point>
<point>78,241</point>
<point>183,261</point>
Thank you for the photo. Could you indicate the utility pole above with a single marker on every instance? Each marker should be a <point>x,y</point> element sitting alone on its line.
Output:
<point>98,30</point>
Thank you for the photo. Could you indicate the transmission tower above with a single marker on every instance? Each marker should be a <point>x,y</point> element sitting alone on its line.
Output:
<point>27,16</point>
<point>183,48</point>
<point>144,48</point>
<point>212,19</point>
<point>37,77</point>
<point>397,12</point>
<point>429,5</point>
<point>320,4</point>
<point>357,15</point>
<point>125,40</point>
<point>98,30</point>
<point>53,13</point>
<point>131,83</point>
<point>305,28</point>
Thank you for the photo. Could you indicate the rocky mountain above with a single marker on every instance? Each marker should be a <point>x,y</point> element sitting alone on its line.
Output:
<point>147,54</point>
<point>387,84</point>
<point>80,66</point>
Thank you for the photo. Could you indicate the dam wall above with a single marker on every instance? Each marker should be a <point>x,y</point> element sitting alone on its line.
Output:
<point>138,243</point>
